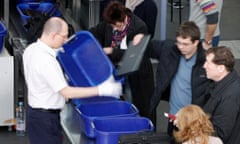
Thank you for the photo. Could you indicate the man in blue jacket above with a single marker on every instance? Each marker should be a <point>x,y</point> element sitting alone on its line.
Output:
<point>180,78</point>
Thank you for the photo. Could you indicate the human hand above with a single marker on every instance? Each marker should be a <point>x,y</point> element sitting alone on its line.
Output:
<point>206,46</point>
<point>137,39</point>
<point>108,50</point>
<point>110,88</point>
<point>173,120</point>
<point>170,116</point>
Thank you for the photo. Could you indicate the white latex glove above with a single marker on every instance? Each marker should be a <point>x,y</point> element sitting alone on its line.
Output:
<point>110,88</point>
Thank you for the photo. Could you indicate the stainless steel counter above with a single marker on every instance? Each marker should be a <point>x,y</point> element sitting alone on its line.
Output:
<point>71,127</point>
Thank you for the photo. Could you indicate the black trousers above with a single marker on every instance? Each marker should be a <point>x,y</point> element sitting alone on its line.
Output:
<point>44,126</point>
<point>142,87</point>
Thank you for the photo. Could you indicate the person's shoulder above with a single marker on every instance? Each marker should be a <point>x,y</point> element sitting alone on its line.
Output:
<point>135,18</point>
<point>201,53</point>
<point>101,25</point>
<point>215,140</point>
<point>30,46</point>
<point>170,44</point>
<point>150,4</point>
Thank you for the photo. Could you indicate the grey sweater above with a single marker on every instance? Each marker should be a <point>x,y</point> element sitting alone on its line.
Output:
<point>198,15</point>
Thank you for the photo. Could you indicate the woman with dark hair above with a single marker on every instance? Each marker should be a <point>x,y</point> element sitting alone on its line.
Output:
<point>120,26</point>
<point>145,9</point>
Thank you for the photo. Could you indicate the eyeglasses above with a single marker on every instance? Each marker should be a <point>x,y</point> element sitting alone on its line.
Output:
<point>65,36</point>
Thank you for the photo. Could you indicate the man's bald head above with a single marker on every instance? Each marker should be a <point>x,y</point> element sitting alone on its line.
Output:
<point>55,32</point>
<point>54,24</point>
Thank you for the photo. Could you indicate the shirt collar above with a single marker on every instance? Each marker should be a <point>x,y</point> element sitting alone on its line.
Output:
<point>48,49</point>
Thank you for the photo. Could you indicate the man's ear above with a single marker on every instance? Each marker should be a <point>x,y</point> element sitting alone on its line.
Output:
<point>221,68</point>
<point>196,42</point>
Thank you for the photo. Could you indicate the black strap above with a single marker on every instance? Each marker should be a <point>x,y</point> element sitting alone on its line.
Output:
<point>145,138</point>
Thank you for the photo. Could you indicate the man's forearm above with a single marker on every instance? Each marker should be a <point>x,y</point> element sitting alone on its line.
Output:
<point>211,28</point>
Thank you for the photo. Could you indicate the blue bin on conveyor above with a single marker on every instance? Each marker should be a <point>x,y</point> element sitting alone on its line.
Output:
<point>3,32</point>
<point>85,64</point>
<point>86,113</point>
<point>108,130</point>
<point>36,9</point>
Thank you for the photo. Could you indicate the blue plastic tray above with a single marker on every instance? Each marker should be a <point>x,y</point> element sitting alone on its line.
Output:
<point>84,61</point>
<point>108,130</point>
<point>80,101</point>
<point>3,32</point>
<point>86,113</point>
<point>38,7</point>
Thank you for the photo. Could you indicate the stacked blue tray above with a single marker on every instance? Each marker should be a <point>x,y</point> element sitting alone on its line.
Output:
<point>88,112</point>
<point>28,10</point>
<point>108,130</point>
<point>85,64</point>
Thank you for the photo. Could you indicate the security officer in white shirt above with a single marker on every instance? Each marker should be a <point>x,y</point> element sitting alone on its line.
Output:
<point>47,87</point>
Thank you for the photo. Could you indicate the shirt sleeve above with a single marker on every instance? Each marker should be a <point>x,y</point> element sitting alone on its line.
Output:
<point>209,8</point>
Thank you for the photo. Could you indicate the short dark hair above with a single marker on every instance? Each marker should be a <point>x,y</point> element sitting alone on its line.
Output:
<point>189,29</point>
<point>115,12</point>
<point>222,56</point>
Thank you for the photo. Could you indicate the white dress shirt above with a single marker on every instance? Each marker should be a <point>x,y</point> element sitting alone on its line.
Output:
<point>44,77</point>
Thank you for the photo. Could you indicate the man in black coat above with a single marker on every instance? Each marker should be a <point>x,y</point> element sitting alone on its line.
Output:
<point>180,77</point>
<point>224,102</point>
